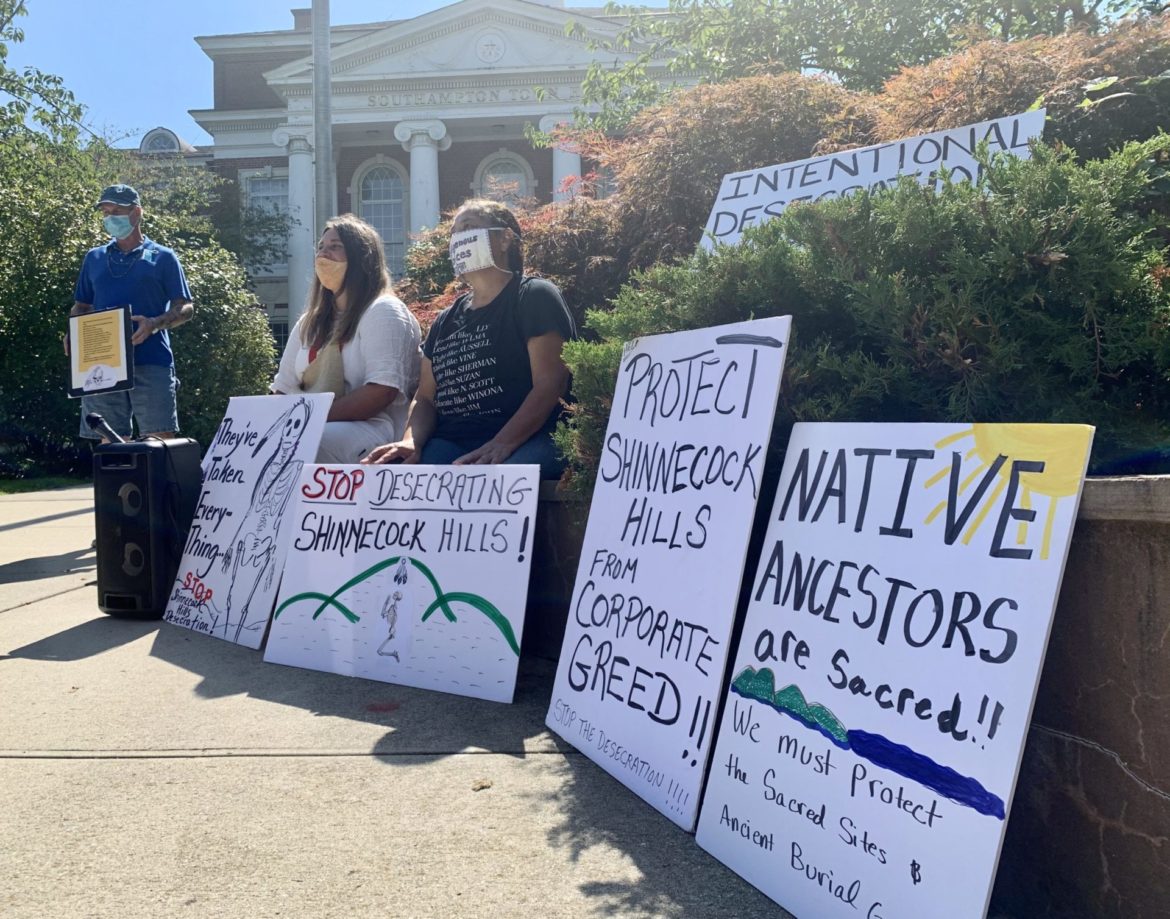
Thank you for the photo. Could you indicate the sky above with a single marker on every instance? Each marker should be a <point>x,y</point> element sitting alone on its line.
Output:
<point>138,67</point>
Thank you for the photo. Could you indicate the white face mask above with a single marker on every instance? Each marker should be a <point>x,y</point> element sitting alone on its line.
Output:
<point>471,250</point>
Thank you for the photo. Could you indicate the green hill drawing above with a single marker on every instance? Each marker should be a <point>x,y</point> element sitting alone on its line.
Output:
<point>761,685</point>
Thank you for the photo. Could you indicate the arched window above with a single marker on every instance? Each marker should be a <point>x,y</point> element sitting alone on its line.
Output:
<point>506,177</point>
<point>160,140</point>
<point>379,193</point>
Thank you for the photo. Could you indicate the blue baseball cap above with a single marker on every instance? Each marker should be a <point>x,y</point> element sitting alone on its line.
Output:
<point>122,195</point>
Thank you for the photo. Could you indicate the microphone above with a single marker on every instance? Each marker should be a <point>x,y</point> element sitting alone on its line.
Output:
<point>99,424</point>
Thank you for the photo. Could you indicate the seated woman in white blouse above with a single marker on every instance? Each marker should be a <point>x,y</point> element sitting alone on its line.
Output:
<point>356,340</point>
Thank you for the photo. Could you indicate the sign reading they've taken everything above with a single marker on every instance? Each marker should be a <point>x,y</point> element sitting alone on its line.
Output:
<point>757,195</point>
<point>883,685</point>
<point>645,649</point>
<point>409,574</point>
<point>235,548</point>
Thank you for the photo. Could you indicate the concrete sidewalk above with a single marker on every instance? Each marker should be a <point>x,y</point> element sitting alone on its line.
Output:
<point>147,771</point>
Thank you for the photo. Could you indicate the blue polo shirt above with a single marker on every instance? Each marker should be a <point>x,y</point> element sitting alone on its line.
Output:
<point>148,277</point>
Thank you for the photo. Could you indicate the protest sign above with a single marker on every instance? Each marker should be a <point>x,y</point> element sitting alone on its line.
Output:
<point>757,195</point>
<point>235,548</point>
<point>645,647</point>
<point>883,685</point>
<point>409,574</point>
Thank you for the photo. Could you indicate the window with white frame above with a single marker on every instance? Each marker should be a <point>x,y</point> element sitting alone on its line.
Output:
<point>506,177</point>
<point>162,142</point>
<point>380,194</point>
<point>279,329</point>
<point>266,197</point>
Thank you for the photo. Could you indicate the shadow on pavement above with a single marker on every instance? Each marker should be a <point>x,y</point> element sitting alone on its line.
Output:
<point>421,724</point>
<point>677,878</point>
<point>22,524</point>
<point>48,566</point>
<point>673,877</point>
<point>85,640</point>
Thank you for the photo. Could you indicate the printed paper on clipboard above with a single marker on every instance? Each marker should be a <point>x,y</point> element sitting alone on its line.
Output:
<point>101,356</point>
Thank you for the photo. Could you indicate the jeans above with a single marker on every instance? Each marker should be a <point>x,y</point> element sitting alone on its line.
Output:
<point>538,450</point>
<point>151,402</point>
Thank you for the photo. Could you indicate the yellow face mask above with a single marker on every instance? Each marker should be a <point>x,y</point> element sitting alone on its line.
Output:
<point>331,274</point>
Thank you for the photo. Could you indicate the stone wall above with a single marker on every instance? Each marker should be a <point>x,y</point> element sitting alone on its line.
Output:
<point>1089,831</point>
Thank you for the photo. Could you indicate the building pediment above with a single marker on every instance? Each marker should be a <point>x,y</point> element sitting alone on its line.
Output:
<point>474,37</point>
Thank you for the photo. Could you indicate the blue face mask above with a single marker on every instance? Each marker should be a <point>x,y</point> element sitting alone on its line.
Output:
<point>118,225</point>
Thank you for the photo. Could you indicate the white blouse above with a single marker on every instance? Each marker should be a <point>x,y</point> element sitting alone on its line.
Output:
<point>384,349</point>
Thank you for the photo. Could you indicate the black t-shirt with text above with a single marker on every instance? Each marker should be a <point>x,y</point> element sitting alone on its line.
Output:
<point>479,357</point>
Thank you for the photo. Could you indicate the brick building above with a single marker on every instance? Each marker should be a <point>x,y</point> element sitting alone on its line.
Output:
<point>425,113</point>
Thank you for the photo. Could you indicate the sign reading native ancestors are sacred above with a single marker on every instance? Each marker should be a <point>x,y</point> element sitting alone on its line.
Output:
<point>416,575</point>
<point>235,549</point>
<point>641,669</point>
<point>883,685</point>
<point>757,195</point>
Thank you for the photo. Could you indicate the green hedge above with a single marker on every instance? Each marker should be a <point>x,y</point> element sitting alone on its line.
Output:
<point>47,192</point>
<point>1041,296</point>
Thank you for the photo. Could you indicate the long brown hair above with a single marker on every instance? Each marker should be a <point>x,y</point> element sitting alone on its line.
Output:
<point>499,215</point>
<point>366,279</point>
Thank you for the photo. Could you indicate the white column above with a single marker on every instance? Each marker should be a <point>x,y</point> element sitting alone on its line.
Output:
<point>302,235</point>
<point>566,158</point>
<point>424,140</point>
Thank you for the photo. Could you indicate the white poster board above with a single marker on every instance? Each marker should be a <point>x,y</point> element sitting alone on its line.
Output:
<point>883,685</point>
<point>409,574</point>
<point>757,195</point>
<point>235,548</point>
<point>641,669</point>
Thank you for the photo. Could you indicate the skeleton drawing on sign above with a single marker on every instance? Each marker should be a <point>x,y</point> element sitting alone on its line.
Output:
<point>390,610</point>
<point>251,554</point>
<point>390,614</point>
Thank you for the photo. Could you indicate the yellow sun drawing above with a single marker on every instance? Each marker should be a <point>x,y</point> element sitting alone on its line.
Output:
<point>1062,448</point>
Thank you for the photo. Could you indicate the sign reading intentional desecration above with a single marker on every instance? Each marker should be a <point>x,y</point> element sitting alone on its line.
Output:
<point>757,195</point>
<point>883,686</point>
<point>409,574</point>
<point>645,648</point>
<point>235,548</point>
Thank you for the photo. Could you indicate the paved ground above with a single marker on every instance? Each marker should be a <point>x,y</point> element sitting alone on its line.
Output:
<point>146,771</point>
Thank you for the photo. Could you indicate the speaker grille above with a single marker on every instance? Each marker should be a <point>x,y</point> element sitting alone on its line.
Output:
<point>144,498</point>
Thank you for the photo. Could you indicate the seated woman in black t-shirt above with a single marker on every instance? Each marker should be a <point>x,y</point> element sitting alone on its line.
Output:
<point>492,376</point>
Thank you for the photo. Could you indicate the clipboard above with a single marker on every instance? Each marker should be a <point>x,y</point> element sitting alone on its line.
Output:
<point>101,356</point>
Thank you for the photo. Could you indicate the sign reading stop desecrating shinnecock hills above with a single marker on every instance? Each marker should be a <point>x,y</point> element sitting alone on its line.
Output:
<point>641,669</point>
<point>883,684</point>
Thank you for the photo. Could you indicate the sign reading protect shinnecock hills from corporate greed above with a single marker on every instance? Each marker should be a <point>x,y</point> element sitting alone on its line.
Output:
<point>757,195</point>
<point>641,669</point>
<point>883,686</point>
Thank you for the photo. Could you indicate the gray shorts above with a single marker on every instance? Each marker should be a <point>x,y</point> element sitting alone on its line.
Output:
<point>151,402</point>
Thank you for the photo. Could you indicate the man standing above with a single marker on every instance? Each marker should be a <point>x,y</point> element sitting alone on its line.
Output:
<point>134,269</point>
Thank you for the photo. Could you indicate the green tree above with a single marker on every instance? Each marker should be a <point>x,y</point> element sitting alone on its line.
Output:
<point>49,180</point>
<point>860,42</point>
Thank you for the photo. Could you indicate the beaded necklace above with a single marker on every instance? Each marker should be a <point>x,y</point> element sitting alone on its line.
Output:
<point>124,261</point>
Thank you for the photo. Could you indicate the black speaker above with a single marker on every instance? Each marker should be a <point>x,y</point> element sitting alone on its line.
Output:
<point>145,494</point>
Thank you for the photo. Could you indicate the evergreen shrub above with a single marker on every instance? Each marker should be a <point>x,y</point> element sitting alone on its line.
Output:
<point>1041,296</point>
